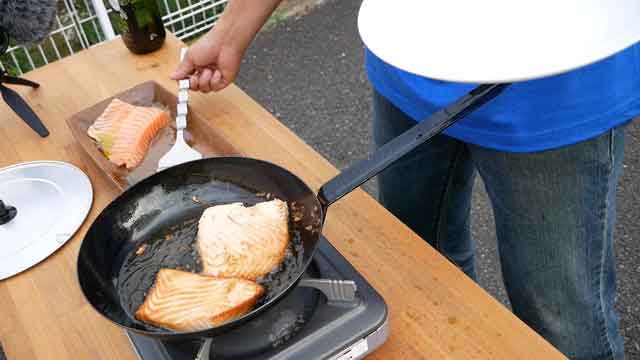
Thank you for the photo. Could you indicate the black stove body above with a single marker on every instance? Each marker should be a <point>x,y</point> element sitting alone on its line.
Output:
<point>323,318</point>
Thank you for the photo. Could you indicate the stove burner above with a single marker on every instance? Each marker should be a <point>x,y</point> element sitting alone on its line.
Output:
<point>267,332</point>
<point>270,330</point>
<point>305,324</point>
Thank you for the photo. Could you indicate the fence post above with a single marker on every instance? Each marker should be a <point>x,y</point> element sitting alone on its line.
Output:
<point>103,19</point>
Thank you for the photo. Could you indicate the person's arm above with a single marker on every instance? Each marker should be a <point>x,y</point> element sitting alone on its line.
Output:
<point>213,61</point>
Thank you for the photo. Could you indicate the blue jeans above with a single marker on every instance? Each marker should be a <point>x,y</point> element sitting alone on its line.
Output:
<point>554,213</point>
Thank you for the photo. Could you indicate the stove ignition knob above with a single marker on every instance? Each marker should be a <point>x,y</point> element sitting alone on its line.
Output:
<point>7,213</point>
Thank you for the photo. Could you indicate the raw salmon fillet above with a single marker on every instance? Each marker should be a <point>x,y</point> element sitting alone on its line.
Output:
<point>124,131</point>
<point>235,241</point>
<point>184,301</point>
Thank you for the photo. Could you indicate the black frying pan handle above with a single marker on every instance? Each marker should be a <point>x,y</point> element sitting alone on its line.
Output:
<point>365,169</point>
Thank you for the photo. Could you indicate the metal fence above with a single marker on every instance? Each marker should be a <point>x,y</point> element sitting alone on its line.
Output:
<point>81,24</point>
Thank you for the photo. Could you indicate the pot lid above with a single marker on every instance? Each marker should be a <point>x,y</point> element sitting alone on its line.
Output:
<point>493,41</point>
<point>51,200</point>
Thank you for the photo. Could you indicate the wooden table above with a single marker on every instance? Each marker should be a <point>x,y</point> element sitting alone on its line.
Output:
<point>436,312</point>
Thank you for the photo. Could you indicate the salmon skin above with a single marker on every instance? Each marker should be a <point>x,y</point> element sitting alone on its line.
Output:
<point>235,241</point>
<point>123,132</point>
<point>184,301</point>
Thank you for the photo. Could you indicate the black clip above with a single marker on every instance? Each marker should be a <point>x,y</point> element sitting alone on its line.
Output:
<point>7,213</point>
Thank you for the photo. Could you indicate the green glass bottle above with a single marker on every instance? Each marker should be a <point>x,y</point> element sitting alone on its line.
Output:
<point>140,24</point>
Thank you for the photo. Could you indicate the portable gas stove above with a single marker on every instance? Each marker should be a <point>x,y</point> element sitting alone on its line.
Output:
<point>340,319</point>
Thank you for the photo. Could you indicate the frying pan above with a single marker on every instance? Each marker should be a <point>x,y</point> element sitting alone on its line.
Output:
<point>158,207</point>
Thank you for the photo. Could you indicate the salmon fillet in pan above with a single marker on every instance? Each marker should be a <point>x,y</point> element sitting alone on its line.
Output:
<point>235,241</point>
<point>184,301</point>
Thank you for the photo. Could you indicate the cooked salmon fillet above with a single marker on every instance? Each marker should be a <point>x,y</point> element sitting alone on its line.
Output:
<point>184,301</point>
<point>124,131</point>
<point>235,241</point>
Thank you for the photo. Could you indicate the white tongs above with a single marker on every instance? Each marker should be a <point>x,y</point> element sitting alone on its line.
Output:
<point>180,152</point>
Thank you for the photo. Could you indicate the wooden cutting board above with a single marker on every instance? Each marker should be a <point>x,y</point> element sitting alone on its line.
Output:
<point>200,134</point>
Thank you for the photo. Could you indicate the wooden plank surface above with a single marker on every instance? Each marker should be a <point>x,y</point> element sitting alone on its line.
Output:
<point>435,311</point>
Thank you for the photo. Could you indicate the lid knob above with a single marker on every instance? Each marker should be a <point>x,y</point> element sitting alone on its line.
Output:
<point>7,213</point>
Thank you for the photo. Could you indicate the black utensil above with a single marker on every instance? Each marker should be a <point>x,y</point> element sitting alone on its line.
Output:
<point>7,213</point>
<point>15,102</point>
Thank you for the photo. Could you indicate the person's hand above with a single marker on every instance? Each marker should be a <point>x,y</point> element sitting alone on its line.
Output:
<point>211,63</point>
